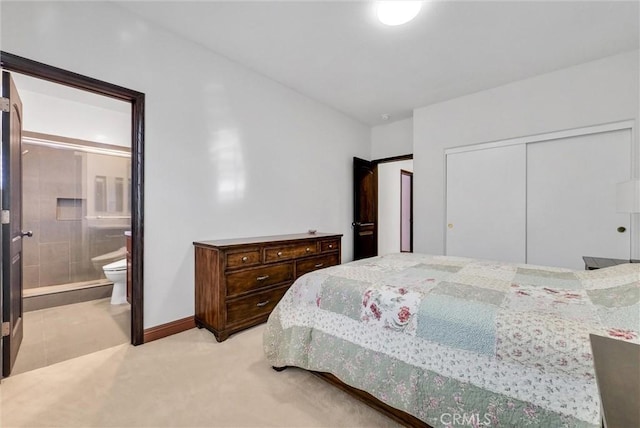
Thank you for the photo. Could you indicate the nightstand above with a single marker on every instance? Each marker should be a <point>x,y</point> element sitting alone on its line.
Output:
<point>592,263</point>
<point>617,367</point>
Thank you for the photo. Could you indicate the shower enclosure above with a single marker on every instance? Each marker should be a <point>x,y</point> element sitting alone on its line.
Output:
<point>76,200</point>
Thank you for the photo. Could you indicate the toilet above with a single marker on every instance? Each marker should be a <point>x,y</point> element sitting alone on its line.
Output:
<point>99,262</point>
<point>117,273</point>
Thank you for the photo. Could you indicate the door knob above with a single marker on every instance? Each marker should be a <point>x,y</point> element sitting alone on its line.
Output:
<point>28,233</point>
<point>621,229</point>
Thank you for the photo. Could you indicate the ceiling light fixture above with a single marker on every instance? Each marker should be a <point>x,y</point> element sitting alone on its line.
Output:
<point>397,12</point>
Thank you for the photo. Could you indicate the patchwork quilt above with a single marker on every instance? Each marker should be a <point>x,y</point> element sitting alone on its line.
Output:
<point>457,341</point>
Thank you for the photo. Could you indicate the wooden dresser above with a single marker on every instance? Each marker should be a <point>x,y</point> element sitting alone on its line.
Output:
<point>240,281</point>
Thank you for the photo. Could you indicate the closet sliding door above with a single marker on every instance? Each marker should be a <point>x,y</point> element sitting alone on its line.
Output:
<point>486,209</point>
<point>571,198</point>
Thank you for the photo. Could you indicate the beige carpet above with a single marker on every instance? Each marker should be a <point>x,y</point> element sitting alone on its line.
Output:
<point>186,380</point>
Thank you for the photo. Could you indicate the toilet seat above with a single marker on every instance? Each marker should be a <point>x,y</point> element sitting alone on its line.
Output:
<point>120,265</point>
<point>113,255</point>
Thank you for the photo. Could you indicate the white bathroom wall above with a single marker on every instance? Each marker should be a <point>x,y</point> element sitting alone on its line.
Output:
<point>602,91</point>
<point>228,152</point>
<point>56,115</point>
<point>389,205</point>
<point>392,139</point>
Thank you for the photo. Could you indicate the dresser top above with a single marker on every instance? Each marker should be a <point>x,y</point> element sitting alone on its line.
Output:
<point>264,239</point>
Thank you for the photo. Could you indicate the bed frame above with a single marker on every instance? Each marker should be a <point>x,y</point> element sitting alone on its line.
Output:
<point>368,399</point>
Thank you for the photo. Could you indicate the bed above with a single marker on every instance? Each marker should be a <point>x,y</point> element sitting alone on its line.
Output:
<point>451,341</point>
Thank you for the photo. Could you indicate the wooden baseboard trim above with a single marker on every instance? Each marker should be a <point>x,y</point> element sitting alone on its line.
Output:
<point>164,330</point>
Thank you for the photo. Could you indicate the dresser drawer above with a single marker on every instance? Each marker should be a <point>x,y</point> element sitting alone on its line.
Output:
<point>246,280</point>
<point>330,245</point>
<point>254,305</point>
<point>243,258</point>
<point>288,252</point>
<point>315,263</point>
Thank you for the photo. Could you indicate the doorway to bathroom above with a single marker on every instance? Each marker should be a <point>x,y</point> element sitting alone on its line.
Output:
<point>82,194</point>
<point>76,214</point>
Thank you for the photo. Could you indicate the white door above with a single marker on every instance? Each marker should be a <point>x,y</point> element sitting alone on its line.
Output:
<point>571,199</point>
<point>486,207</point>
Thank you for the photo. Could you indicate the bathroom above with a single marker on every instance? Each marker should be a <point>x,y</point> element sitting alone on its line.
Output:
<point>76,209</point>
<point>75,203</point>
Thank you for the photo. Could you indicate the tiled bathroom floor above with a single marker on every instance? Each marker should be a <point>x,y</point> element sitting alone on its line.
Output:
<point>57,334</point>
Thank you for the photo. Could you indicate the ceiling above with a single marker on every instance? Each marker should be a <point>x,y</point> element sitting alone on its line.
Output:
<point>337,53</point>
<point>55,90</point>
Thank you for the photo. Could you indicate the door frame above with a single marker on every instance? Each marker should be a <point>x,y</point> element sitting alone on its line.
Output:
<point>15,63</point>
<point>410,175</point>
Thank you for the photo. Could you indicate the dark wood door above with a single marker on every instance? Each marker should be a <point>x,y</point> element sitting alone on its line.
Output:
<point>11,224</point>
<point>365,213</point>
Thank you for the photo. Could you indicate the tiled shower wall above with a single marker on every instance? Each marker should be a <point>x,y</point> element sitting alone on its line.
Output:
<point>53,207</point>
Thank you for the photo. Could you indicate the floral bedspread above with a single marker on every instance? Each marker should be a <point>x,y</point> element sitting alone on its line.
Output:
<point>456,341</point>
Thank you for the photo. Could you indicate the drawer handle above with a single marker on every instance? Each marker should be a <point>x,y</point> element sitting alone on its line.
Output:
<point>262,304</point>
<point>308,249</point>
<point>330,245</point>
<point>279,253</point>
<point>319,265</point>
<point>245,258</point>
<point>262,278</point>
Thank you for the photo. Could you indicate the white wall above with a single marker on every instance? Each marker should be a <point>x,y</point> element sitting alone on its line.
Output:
<point>58,116</point>
<point>229,153</point>
<point>597,92</point>
<point>389,205</point>
<point>392,139</point>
